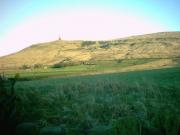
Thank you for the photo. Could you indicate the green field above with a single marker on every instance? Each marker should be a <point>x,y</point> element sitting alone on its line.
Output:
<point>92,67</point>
<point>129,103</point>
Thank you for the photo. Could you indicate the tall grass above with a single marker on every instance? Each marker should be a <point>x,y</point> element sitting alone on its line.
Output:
<point>107,105</point>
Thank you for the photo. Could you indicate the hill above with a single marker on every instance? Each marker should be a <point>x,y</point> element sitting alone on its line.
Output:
<point>163,47</point>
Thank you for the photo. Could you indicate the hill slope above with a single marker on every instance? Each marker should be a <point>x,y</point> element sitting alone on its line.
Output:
<point>164,45</point>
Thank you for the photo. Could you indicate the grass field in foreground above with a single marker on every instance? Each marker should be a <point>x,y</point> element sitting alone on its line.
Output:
<point>132,103</point>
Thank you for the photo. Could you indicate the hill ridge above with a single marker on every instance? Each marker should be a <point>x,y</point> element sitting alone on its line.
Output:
<point>157,45</point>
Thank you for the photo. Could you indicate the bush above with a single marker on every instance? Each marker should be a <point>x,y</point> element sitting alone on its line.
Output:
<point>25,67</point>
<point>8,106</point>
<point>63,64</point>
<point>119,60</point>
<point>38,66</point>
<point>132,44</point>
<point>105,46</point>
<point>57,65</point>
<point>87,43</point>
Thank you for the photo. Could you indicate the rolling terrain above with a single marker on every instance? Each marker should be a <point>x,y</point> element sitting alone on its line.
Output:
<point>163,48</point>
<point>82,93</point>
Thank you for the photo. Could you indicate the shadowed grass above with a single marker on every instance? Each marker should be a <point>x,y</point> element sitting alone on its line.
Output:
<point>141,103</point>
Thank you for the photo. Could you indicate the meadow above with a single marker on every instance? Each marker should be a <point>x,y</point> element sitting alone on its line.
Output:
<point>92,67</point>
<point>129,103</point>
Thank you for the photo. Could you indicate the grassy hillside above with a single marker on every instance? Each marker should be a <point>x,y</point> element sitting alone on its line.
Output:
<point>74,99</point>
<point>138,103</point>
<point>159,46</point>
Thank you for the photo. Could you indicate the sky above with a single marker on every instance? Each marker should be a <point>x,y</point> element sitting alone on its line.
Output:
<point>27,22</point>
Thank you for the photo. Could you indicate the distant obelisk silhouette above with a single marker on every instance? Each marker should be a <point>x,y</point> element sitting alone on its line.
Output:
<point>59,37</point>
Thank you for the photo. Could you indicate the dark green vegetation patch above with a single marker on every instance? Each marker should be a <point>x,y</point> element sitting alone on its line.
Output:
<point>134,103</point>
<point>87,43</point>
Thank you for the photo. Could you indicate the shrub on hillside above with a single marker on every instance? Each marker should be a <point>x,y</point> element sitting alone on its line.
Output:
<point>102,42</point>
<point>62,64</point>
<point>105,46</point>
<point>57,65</point>
<point>38,65</point>
<point>132,44</point>
<point>87,43</point>
<point>25,67</point>
<point>119,60</point>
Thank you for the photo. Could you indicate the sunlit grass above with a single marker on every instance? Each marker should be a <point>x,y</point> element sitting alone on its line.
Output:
<point>92,67</point>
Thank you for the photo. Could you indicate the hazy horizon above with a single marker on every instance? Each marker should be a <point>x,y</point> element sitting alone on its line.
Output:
<point>27,23</point>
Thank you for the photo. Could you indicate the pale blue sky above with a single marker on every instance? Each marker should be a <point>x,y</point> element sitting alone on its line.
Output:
<point>15,13</point>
